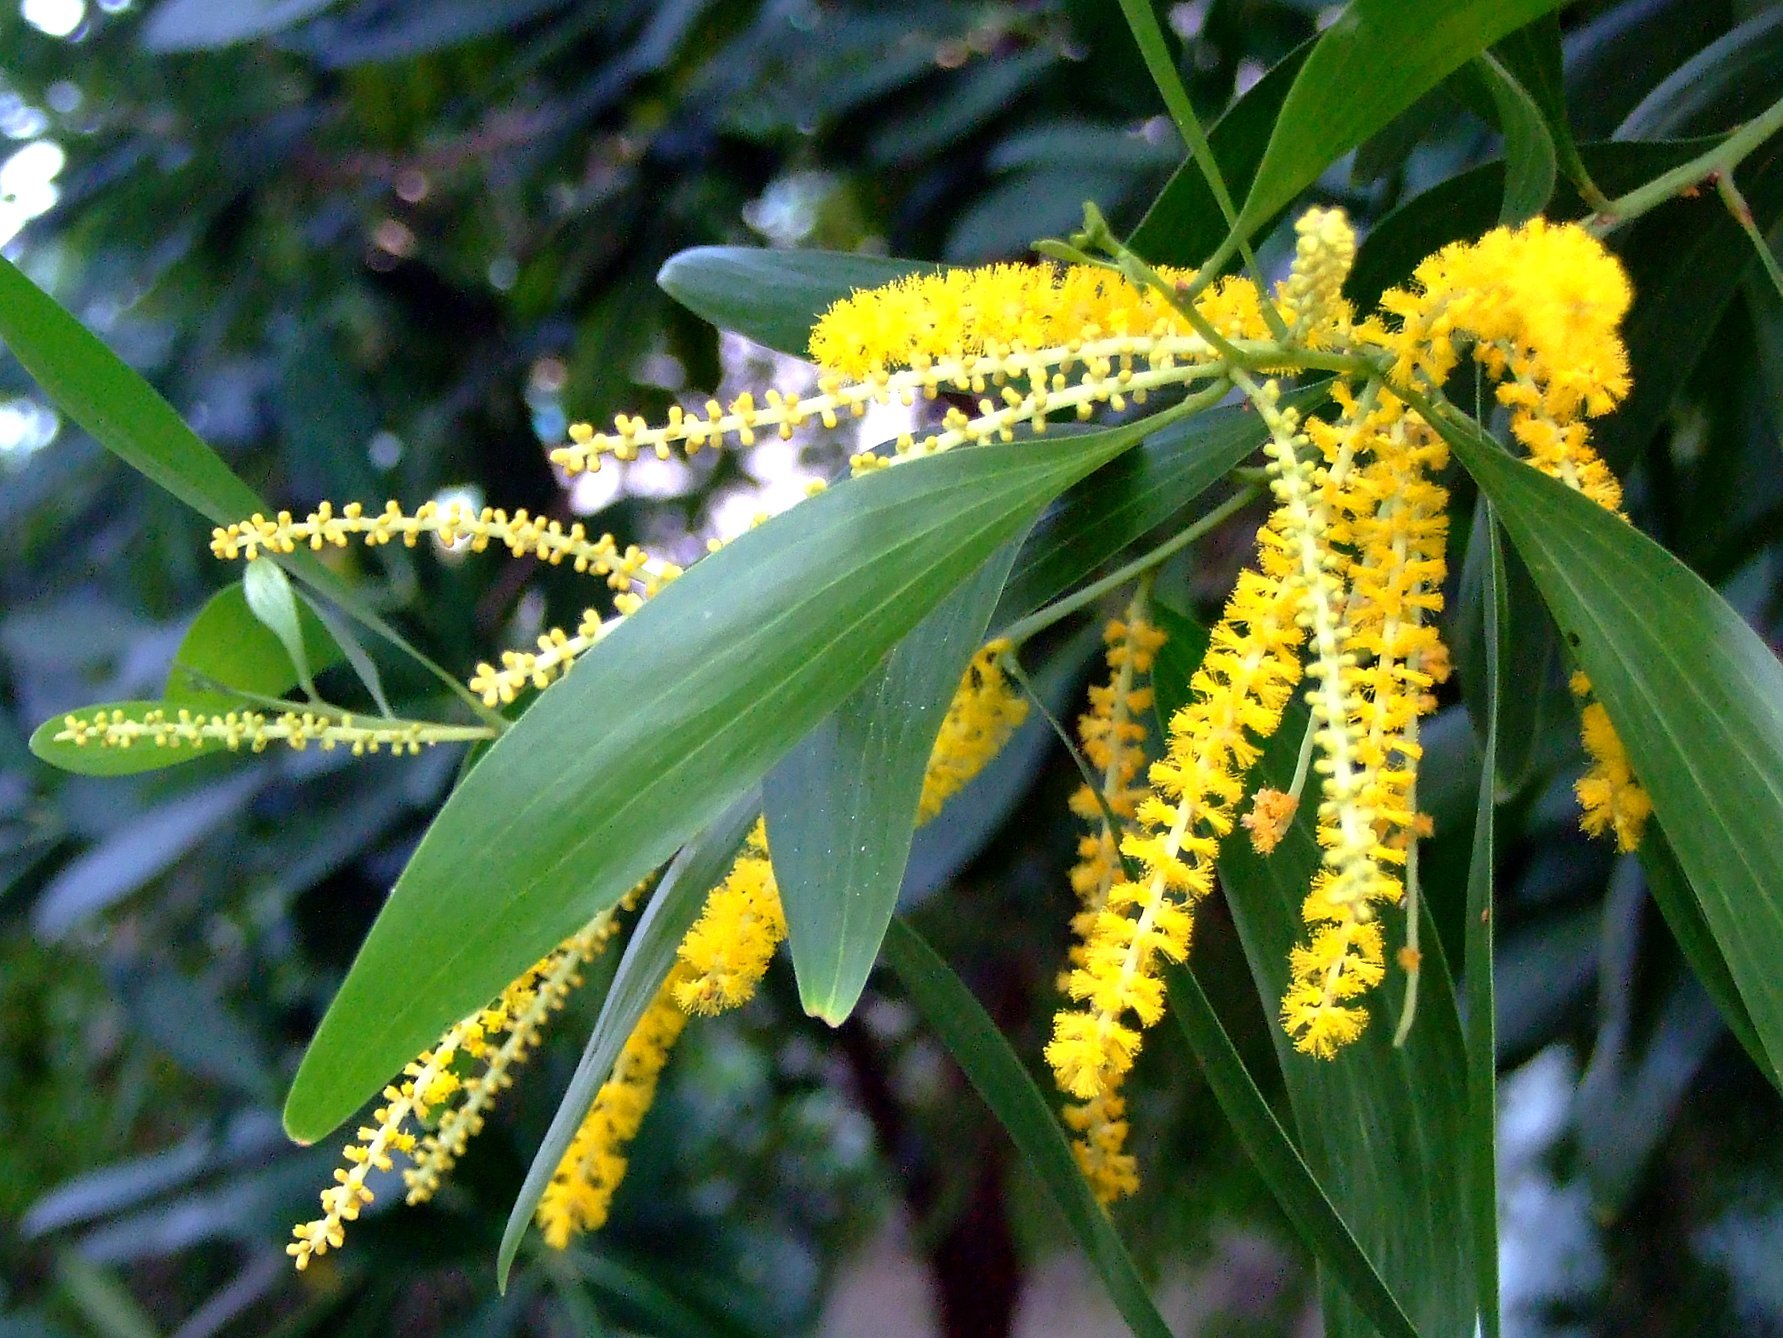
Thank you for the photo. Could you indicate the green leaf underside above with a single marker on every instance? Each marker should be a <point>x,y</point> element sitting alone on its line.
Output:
<point>271,600</point>
<point>1477,974</point>
<point>127,416</point>
<point>1695,695</point>
<point>980,1050</point>
<point>1378,1126</point>
<point>1529,157</point>
<point>227,646</point>
<point>1379,58</point>
<point>683,707</point>
<point>1276,1158</point>
<point>773,297</point>
<point>841,807</point>
<point>649,956</point>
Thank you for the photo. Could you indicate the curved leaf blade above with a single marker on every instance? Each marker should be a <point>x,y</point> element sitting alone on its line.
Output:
<point>1695,695</point>
<point>228,647</point>
<point>683,707</point>
<point>1530,161</point>
<point>842,806</point>
<point>992,1067</point>
<point>1378,59</point>
<point>773,297</point>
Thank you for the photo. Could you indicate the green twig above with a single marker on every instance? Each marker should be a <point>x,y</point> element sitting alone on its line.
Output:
<point>1040,619</point>
<point>1719,161</point>
<point>1742,214</point>
<point>1143,21</point>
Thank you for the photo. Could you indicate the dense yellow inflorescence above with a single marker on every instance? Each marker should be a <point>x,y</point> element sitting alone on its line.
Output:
<point>1612,799</point>
<point>1017,342</point>
<point>1113,735</point>
<point>984,712</point>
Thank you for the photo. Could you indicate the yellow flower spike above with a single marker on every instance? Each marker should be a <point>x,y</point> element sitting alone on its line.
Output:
<point>1236,698</point>
<point>1113,735</point>
<point>1312,297</point>
<point>984,712</point>
<point>581,1189</point>
<point>175,728</point>
<point>1023,341</point>
<point>492,1041</point>
<point>1612,799</point>
<point>518,1019</point>
<point>727,951</point>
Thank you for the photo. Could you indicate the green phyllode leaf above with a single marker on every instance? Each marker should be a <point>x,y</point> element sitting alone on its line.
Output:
<point>842,806</point>
<point>682,708</point>
<point>1379,1125</point>
<point>127,416</point>
<point>227,646</point>
<point>773,297</point>
<point>1481,1024</point>
<point>1529,156</point>
<point>994,1070</point>
<point>1377,59</point>
<point>1694,693</point>
<point>649,957</point>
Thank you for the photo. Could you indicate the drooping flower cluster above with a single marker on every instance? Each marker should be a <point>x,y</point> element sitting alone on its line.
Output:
<point>1113,735</point>
<point>1341,598</point>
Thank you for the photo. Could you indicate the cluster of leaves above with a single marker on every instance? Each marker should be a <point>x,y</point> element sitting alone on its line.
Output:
<point>290,302</point>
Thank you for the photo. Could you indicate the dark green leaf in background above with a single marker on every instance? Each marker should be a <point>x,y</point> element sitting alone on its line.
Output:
<point>1529,155</point>
<point>1376,60</point>
<point>1695,695</point>
<point>774,297</point>
<point>992,1067</point>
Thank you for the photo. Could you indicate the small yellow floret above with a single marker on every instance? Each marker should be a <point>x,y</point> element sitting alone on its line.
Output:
<point>1609,794</point>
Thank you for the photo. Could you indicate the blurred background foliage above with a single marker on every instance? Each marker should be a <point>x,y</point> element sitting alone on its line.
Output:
<point>390,248</point>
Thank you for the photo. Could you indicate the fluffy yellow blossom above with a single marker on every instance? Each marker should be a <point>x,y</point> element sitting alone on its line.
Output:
<point>1610,796</point>
<point>985,710</point>
<point>581,1189</point>
<point>1019,342</point>
<point>727,951</point>
<point>1113,735</point>
<point>1236,699</point>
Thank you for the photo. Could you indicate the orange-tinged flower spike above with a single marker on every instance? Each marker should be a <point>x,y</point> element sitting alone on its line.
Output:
<point>1020,342</point>
<point>174,728</point>
<point>1236,698</point>
<point>1113,735</point>
<point>986,709</point>
<point>581,1189</point>
<point>1609,794</point>
<point>1271,814</point>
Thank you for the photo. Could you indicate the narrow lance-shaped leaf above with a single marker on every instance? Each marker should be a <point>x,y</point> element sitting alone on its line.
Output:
<point>1694,694</point>
<point>683,707</point>
<point>841,807</point>
<point>992,1067</point>
<point>649,957</point>
<point>127,416</point>
<point>1482,1011</point>
<point>1377,59</point>
<point>1276,1158</point>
